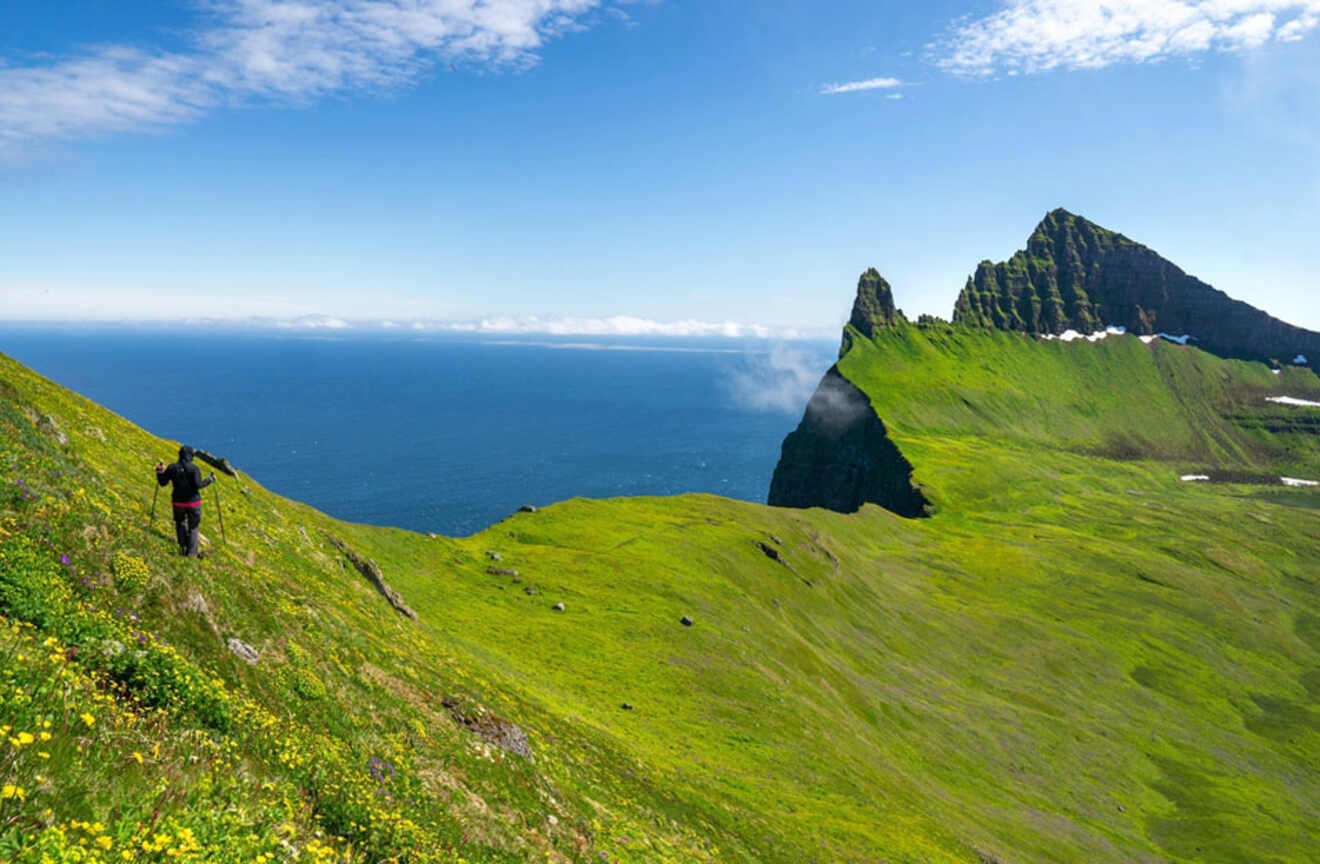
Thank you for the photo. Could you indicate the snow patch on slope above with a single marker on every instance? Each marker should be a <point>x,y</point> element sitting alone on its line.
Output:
<point>1073,335</point>
<point>1289,400</point>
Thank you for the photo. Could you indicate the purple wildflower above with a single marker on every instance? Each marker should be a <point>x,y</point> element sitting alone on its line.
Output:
<point>380,770</point>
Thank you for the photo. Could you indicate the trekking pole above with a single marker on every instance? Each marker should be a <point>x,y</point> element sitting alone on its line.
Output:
<point>221,513</point>
<point>152,523</point>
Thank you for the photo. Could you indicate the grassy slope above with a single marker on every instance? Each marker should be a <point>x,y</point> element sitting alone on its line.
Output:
<point>1080,658</point>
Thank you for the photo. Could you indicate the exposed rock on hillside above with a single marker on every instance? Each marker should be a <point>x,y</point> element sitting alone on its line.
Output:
<point>243,651</point>
<point>492,728</point>
<point>371,572</point>
<point>841,457</point>
<point>219,463</point>
<point>1076,275</point>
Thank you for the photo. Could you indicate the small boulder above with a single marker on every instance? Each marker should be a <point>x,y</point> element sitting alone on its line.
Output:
<point>527,508</point>
<point>530,591</point>
<point>494,556</point>
<point>501,571</point>
<point>626,707</point>
<point>243,651</point>
<point>685,621</point>
<point>558,607</point>
<point>775,540</point>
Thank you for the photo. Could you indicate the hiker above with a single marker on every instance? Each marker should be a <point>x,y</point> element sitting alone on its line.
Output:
<point>187,498</point>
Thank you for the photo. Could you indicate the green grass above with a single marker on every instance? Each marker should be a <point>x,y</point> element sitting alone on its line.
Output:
<point>1079,658</point>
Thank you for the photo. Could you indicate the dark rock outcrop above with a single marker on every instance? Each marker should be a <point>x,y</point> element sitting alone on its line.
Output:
<point>841,457</point>
<point>219,463</point>
<point>371,572</point>
<point>772,553</point>
<point>1076,275</point>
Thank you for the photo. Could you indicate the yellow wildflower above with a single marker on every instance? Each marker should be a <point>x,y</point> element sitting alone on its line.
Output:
<point>88,719</point>
<point>137,756</point>
<point>104,842</point>
<point>9,790</point>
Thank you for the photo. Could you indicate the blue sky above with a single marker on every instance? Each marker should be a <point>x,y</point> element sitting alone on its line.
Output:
<point>585,165</point>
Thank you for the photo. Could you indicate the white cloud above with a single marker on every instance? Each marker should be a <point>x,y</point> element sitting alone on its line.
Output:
<point>319,322</point>
<point>618,325</point>
<point>144,306</point>
<point>1031,36</point>
<point>284,50</point>
<point>781,381</point>
<point>857,86</point>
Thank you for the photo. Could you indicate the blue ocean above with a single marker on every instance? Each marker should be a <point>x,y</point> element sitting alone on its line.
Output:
<point>447,434</point>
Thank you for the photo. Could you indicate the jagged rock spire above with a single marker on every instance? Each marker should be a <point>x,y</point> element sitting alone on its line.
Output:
<point>874,306</point>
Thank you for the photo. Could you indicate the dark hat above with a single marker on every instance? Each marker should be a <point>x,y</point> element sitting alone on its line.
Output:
<point>185,453</point>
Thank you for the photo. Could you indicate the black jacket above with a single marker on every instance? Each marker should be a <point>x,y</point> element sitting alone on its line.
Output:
<point>187,480</point>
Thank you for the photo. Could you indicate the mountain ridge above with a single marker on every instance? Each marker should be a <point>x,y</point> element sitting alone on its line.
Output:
<point>1075,274</point>
<point>842,459</point>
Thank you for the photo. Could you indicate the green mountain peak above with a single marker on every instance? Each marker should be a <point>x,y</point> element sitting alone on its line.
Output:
<point>1076,275</point>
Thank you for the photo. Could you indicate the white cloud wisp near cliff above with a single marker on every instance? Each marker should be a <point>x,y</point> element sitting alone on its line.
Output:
<point>1030,36</point>
<point>272,50</point>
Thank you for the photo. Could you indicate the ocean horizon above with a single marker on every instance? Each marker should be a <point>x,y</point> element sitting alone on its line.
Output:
<point>446,433</point>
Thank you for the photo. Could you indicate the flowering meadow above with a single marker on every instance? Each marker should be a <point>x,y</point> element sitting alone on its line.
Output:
<point>132,732</point>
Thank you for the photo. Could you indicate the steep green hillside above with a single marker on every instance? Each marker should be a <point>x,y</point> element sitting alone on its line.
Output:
<point>1117,398</point>
<point>1078,658</point>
